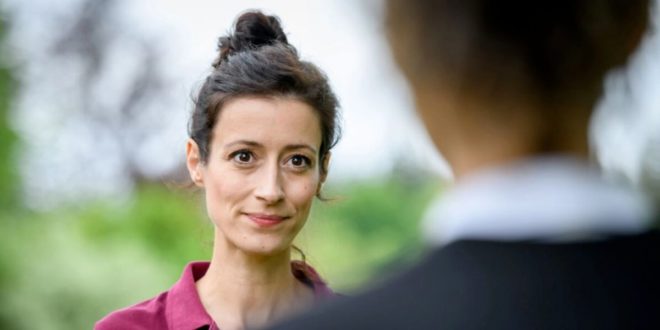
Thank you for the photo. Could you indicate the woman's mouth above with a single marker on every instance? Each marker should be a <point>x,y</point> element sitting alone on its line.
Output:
<point>266,220</point>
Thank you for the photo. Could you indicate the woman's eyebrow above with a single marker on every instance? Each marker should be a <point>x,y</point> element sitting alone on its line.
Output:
<point>300,146</point>
<point>257,144</point>
<point>243,142</point>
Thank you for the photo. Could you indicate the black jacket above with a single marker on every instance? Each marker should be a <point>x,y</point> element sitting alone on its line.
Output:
<point>609,284</point>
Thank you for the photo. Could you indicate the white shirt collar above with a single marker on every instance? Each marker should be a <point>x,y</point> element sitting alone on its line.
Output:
<point>550,199</point>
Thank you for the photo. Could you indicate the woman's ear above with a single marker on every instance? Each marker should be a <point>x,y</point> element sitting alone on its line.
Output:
<point>194,163</point>
<point>325,165</point>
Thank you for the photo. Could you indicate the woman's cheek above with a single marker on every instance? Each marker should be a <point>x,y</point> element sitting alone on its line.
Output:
<point>221,194</point>
<point>304,192</point>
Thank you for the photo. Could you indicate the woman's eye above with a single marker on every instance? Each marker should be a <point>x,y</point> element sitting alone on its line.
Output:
<point>242,156</point>
<point>300,161</point>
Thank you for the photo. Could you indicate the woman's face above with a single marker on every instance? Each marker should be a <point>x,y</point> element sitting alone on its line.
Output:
<point>262,172</point>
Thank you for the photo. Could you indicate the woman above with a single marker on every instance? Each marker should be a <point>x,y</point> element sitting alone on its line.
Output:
<point>530,236</point>
<point>260,140</point>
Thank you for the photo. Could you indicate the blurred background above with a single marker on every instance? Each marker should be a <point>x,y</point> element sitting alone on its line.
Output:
<point>94,103</point>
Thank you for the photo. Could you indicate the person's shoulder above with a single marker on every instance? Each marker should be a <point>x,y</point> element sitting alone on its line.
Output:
<point>382,306</point>
<point>463,284</point>
<point>148,314</point>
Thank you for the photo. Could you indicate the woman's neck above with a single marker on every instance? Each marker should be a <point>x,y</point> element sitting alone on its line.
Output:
<point>242,290</point>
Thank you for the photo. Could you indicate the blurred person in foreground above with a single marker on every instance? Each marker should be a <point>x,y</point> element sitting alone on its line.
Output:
<point>530,236</point>
<point>260,140</point>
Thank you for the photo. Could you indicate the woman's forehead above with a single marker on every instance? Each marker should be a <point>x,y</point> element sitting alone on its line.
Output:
<point>271,120</point>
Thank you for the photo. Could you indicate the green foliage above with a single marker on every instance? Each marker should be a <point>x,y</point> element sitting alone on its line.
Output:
<point>9,194</point>
<point>68,268</point>
<point>60,280</point>
<point>168,223</point>
<point>8,179</point>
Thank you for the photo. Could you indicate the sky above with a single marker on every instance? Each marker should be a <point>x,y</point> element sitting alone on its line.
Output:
<point>66,158</point>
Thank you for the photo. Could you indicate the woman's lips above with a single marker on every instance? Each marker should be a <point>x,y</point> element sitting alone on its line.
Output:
<point>266,220</point>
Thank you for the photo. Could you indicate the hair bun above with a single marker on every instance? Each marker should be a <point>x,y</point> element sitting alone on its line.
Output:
<point>252,30</point>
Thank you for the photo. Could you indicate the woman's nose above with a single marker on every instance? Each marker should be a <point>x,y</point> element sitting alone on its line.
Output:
<point>269,188</point>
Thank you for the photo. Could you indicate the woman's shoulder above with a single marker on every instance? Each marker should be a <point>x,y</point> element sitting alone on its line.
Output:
<point>148,314</point>
<point>177,308</point>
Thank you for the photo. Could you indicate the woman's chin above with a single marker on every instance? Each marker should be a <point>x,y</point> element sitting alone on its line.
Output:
<point>265,247</point>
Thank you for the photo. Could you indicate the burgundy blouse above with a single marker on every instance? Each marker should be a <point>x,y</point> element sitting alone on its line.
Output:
<point>181,308</point>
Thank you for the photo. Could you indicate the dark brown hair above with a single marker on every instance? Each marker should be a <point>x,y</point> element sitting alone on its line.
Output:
<point>551,50</point>
<point>257,60</point>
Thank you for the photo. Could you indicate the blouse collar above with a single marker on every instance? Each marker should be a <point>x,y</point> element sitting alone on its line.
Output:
<point>184,309</point>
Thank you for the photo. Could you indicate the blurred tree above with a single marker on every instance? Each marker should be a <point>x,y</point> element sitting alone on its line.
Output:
<point>96,108</point>
<point>9,182</point>
<point>91,42</point>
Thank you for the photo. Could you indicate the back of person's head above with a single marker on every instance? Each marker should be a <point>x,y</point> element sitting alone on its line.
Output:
<point>549,51</point>
<point>256,59</point>
<point>497,81</point>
